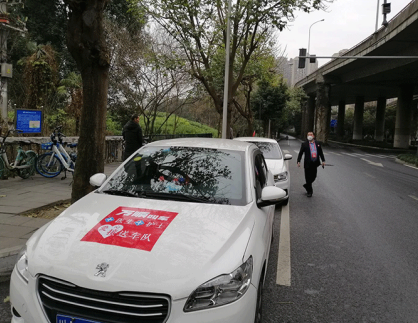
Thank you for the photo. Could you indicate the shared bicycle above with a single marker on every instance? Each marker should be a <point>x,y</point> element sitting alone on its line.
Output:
<point>52,163</point>
<point>23,165</point>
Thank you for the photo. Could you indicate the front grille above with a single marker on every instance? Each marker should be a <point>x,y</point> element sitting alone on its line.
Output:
<point>60,297</point>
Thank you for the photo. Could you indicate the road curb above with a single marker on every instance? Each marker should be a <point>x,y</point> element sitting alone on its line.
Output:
<point>400,151</point>
<point>46,206</point>
<point>405,163</point>
<point>15,250</point>
<point>10,251</point>
<point>5,276</point>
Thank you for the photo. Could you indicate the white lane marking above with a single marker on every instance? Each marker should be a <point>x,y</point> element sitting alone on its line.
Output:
<point>369,175</point>
<point>413,197</point>
<point>410,166</point>
<point>296,151</point>
<point>326,154</point>
<point>283,263</point>
<point>286,151</point>
<point>352,155</point>
<point>336,154</point>
<point>383,156</point>
<point>372,163</point>
<point>370,155</point>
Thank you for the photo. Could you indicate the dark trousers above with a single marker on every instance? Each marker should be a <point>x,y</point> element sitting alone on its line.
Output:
<point>127,154</point>
<point>310,176</point>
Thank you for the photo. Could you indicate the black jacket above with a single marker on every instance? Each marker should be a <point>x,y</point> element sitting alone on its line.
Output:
<point>132,134</point>
<point>304,149</point>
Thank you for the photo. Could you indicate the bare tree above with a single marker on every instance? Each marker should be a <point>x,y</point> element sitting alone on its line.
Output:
<point>149,78</point>
<point>199,26</point>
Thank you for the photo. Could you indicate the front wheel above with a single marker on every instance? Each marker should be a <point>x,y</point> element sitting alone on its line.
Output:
<point>30,160</point>
<point>49,165</point>
<point>2,168</point>
<point>259,305</point>
<point>286,202</point>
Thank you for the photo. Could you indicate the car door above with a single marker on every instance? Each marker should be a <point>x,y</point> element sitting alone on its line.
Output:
<point>263,178</point>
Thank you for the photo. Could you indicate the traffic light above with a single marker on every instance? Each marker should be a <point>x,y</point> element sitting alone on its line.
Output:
<point>385,11</point>
<point>386,8</point>
<point>302,60</point>
<point>312,59</point>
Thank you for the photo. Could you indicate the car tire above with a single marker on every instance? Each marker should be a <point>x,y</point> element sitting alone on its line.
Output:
<point>286,202</point>
<point>259,304</point>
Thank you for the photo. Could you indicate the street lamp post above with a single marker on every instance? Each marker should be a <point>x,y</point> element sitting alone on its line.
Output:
<point>377,15</point>
<point>226,83</point>
<point>309,44</point>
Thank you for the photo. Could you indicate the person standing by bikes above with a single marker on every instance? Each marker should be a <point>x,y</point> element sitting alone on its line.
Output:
<point>132,134</point>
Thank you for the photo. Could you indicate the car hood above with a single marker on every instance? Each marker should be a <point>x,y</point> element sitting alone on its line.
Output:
<point>275,165</point>
<point>201,242</point>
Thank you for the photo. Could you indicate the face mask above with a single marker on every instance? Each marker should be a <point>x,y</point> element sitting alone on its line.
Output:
<point>310,138</point>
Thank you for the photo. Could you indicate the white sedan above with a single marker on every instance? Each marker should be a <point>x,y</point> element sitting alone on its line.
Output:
<point>275,161</point>
<point>179,233</point>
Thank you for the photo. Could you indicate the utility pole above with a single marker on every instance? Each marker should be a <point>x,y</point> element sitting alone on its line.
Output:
<point>6,69</point>
<point>309,45</point>
<point>226,85</point>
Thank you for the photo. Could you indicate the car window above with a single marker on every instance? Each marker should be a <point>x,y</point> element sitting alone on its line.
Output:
<point>270,150</point>
<point>214,175</point>
<point>260,170</point>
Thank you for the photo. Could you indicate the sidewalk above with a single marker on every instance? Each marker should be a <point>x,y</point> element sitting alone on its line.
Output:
<point>18,196</point>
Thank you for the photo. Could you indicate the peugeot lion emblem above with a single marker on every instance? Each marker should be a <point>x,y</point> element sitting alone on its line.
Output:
<point>102,269</point>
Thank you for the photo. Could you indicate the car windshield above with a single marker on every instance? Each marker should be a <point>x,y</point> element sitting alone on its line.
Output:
<point>270,150</point>
<point>182,173</point>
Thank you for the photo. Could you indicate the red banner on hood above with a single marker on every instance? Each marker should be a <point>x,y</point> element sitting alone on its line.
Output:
<point>131,228</point>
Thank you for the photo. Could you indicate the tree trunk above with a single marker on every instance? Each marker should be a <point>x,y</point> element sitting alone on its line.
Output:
<point>250,126</point>
<point>86,43</point>
<point>77,126</point>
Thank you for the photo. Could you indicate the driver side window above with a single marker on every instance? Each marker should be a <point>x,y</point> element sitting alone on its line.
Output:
<point>260,170</point>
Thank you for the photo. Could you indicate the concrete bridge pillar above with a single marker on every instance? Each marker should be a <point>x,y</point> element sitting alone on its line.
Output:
<point>403,117</point>
<point>303,108</point>
<point>310,115</point>
<point>341,117</point>
<point>323,110</point>
<point>358,118</point>
<point>380,119</point>
<point>414,125</point>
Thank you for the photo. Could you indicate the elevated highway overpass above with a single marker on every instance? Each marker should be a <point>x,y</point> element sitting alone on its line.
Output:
<point>356,81</point>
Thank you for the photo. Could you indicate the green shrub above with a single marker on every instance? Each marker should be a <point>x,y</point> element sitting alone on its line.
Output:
<point>183,126</point>
<point>11,115</point>
<point>113,128</point>
<point>409,158</point>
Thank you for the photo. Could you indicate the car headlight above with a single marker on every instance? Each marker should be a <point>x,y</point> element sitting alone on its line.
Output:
<point>22,264</point>
<point>221,290</point>
<point>280,177</point>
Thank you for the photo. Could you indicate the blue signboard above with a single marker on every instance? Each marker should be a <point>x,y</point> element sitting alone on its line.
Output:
<point>333,123</point>
<point>29,121</point>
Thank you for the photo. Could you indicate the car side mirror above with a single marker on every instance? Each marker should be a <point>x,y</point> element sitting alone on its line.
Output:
<point>271,195</point>
<point>288,157</point>
<point>97,179</point>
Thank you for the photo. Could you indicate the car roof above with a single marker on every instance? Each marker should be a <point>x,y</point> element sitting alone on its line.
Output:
<point>256,139</point>
<point>201,142</point>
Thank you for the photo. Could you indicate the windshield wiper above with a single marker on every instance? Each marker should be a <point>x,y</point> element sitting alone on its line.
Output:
<point>120,193</point>
<point>173,196</point>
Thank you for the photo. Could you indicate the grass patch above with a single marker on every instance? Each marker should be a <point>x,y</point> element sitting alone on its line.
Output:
<point>177,125</point>
<point>409,158</point>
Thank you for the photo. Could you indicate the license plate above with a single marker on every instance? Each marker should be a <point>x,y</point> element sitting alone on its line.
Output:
<point>71,319</point>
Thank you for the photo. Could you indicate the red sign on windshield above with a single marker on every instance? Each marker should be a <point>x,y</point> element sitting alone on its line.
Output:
<point>131,228</point>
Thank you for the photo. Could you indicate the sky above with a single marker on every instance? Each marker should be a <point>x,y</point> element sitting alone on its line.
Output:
<point>347,23</point>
